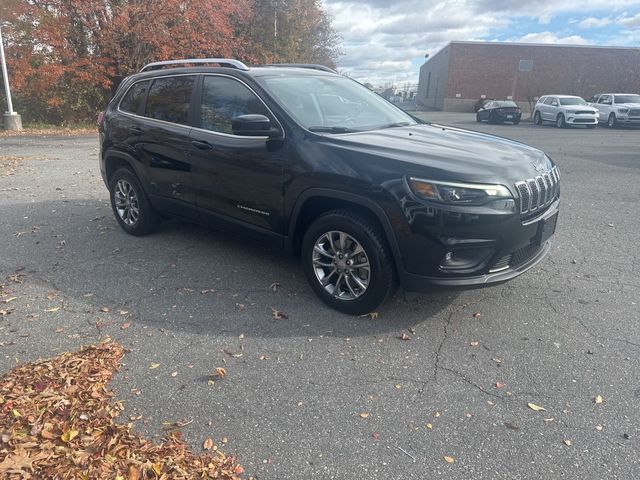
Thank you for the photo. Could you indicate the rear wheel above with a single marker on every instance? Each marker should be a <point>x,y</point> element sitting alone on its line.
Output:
<point>347,262</point>
<point>612,121</point>
<point>560,123</point>
<point>130,204</point>
<point>537,118</point>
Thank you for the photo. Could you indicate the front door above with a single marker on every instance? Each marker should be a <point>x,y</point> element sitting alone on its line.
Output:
<point>238,179</point>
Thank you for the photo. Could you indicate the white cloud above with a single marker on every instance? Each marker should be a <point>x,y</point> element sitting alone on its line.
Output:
<point>550,37</point>
<point>592,22</point>
<point>629,21</point>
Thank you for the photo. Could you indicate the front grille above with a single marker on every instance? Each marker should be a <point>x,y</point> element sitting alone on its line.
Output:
<point>583,120</point>
<point>538,192</point>
<point>634,113</point>
<point>585,112</point>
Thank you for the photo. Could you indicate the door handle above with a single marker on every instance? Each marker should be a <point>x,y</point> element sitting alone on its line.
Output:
<point>202,145</point>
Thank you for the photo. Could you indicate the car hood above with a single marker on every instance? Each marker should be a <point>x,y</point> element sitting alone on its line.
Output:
<point>447,153</point>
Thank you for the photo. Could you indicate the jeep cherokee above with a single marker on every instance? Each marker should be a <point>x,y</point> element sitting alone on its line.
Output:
<point>313,162</point>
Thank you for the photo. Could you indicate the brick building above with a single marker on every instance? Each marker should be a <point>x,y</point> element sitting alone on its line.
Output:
<point>462,72</point>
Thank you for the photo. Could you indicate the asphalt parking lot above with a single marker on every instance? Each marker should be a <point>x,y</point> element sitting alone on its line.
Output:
<point>327,396</point>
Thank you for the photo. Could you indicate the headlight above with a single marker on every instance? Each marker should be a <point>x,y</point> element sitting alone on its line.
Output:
<point>462,193</point>
<point>623,110</point>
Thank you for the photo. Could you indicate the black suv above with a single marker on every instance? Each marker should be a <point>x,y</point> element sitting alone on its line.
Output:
<point>303,158</point>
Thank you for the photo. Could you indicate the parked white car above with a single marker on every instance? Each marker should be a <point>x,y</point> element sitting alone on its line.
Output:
<point>564,110</point>
<point>617,108</point>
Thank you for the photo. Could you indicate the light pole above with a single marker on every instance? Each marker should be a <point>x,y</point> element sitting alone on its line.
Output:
<point>12,121</point>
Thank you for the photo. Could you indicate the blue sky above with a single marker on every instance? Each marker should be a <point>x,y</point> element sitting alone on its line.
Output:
<point>385,42</point>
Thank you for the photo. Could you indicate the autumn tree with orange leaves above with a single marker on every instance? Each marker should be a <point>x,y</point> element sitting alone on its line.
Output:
<point>65,55</point>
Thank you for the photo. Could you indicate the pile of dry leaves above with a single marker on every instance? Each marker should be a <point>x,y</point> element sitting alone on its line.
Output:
<point>56,421</point>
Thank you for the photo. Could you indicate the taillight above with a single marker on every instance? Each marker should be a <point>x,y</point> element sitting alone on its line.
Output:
<point>100,119</point>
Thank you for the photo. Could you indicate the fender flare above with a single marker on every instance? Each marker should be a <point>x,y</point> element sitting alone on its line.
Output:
<point>359,200</point>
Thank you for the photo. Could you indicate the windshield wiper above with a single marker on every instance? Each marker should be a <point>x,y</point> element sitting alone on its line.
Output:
<point>331,129</point>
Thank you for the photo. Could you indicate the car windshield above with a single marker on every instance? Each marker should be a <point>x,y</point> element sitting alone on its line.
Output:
<point>506,104</point>
<point>333,104</point>
<point>626,99</point>
<point>572,101</point>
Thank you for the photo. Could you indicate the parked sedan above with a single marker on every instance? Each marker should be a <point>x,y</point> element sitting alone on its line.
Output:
<point>564,110</point>
<point>499,111</point>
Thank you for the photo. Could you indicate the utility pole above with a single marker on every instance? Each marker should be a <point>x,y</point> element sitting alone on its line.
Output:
<point>12,121</point>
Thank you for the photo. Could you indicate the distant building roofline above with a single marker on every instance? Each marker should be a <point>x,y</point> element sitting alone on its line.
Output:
<point>525,44</point>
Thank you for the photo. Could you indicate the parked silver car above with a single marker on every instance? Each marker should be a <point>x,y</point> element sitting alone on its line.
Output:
<point>564,110</point>
<point>617,108</point>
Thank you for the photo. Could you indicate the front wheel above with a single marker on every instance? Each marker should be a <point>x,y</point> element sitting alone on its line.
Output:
<point>612,121</point>
<point>560,123</point>
<point>130,204</point>
<point>537,118</point>
<point>347,262</point>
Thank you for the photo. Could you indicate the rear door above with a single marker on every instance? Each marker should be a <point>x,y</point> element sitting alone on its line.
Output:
<point>164,143</point>
<point>238,179</point>
<point>604,106</point>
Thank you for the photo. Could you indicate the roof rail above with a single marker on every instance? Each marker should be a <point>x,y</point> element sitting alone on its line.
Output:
<point>303,65</point>
<point>223,62</point>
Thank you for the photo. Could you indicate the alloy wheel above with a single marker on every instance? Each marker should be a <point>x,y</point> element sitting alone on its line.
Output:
<point>126,202</point>
<point>341,265</point>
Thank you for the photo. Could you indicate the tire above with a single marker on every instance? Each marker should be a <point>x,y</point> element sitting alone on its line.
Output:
<point>354,291</point>
<point>516,122</point>
<point>130,204</point>
<point>612,121</point>
<point>560,123</point>
<point>537,118</point>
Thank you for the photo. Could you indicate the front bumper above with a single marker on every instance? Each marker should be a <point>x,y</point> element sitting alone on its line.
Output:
<point>516,246</point>
<point>582,119</point>
<point>628,120</point>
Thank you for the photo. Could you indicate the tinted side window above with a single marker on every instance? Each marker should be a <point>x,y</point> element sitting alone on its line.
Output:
<point>223,99</point>
<point>169,99</point>
<point>133,101</point>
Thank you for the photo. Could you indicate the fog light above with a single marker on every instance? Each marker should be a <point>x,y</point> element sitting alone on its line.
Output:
<point>465,260</point>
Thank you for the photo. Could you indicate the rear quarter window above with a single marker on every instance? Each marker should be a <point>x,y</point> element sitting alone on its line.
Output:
<point>133,100</point>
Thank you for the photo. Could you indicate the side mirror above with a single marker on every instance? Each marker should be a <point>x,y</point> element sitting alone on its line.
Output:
<point>253,125</point>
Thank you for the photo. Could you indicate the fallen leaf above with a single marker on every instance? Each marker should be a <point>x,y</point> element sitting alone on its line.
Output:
<point>274,286</point>
<point>598,400</point>
<point>476,315</point>
<point>474,344</point>
<point>567,443</point>
<point>105,309</point>
<point>157,468</point>
<point>219,372</point>
<point>449,459</point>
<point>371,315</point>
<point>69,435</point>
<point>599,428</point>
<point>278,315</point>
<point>133,473</point>
<point>5,312</point>
<point>224,439</point>
<point>429,426</point>
<point>174,374</point>
<point>232,354</point>
<point>124,326</point>
<point>535,407</point>
<point>154,366</point>
<point>499,384</point>
<point>376,435</point>
<point>404,337</point>
<point>208,444</point>
<point>7,300</point>
<point>54,309</point>
<point>364,415</point>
